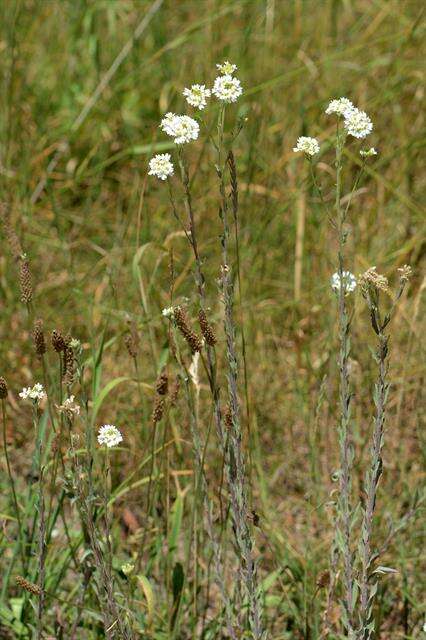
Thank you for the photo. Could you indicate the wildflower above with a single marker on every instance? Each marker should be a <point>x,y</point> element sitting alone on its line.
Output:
<point>310,146</point>
<point>35,393</point>
<point>197,95</point>
<point>75,344</point>
<point>109,435</point>
<point>406,273</point>
<point>226,68</point>
<point>70,407</point>
<point>168,312</point>
<point>227,88</point>
<point>367,154</point>
<point>357,123</point>
<point>161,166</point>
<point>127,568</point>
<point>340,106</point>
<point>349,282</point>
<point>374,279</point>
<point>181,128</point>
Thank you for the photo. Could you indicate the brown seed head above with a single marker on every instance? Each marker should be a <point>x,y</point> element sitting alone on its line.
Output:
<point>25,281</point>
<point>68,364</point>
<point>158,410</point>
<point>162,384</point>
<point>174,392</point>
<point>183,325</point>
<point>38,337</point>
<point>206,328</point>
<point>3,388</point>
<point>58,341</point>
<point>28,586</point>
<point>131,346</point>
<point>228,417</point>
<point>323,579</point>
<point>9,232</point>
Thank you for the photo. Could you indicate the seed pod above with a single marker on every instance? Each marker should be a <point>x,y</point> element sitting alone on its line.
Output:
<point>28,586</point>
<point>158,410</point>
<point>182,324</point>
<point>38,337</point>
<point>25,281</point>
<point>162,384</point>
<point>174,392</point>
<point>206,328</point>
<point>3,388</point>
<point>58,342</point>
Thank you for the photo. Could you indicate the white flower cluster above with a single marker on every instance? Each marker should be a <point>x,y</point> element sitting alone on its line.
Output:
<point>181,128</point>
<point>161,166</point>
<point>349,282</point>
<point>226,68</point>
<point>307,145</point>
<point>109,436</point>
<point>356,122</point>
<point>368,153</point>
<point>168,312</point>
<point>34,394</point>
<point>227,88</point>
<point>197,96</point>
<point>70,407</point>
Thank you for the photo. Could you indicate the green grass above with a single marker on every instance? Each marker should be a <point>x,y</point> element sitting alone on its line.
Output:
<point>99,238</point>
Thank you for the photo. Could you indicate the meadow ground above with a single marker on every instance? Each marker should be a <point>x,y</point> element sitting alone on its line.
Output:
<point>154,539</point>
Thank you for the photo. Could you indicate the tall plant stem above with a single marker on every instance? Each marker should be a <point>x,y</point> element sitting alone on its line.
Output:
<point>12,486</point>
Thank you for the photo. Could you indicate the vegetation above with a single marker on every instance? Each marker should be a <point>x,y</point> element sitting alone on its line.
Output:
<point>211,360</point>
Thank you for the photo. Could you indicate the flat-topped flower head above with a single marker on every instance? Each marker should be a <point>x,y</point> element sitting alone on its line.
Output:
<point>109,436</point>
<point>373,279</point>
<point>33,394</point>
<point>226,68</point>
<point>227,88</point>
<point>349,282</point>
<point>181,128</point>
<point>357,123</point>
<point>367,153</point>
<point>168,312</point>
<point>339,107</point>
<point>307,145</point>
<point>197,96</point>
<point>70,407</point>
<point>161,166</point>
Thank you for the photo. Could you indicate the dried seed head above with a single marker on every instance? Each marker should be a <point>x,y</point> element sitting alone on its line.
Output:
<point>38,337</point>
<point>373,279</point>
<point>3,388</point>
<point>131,346</point>
<point>206,329</point>
<point>158,410</point>
<point>405,273</point>
<point>183,325</point>
<point>9,232</point>
<point>162,384</point>
<point>58,342</point>
<point>28,586</point>
<point>228,417</point>
<point>323,579</point>
<point>68,363</point>
<point>174,392</point>
<point>25,281</point>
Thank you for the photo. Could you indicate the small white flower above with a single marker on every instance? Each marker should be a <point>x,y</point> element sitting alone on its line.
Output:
<point>227,88</point>
<point>197,95</point>
<point>127,568</point>
<point>181,128</point>
<point>168,312</point>
<point>340,106</point>
<point>109,435</point>
<point>349,282</point>
<point>307,145</point>
<point>161,166</point>
<point>70,407</point>
<point>357,123</point>
<point>226,68</point>
<point>35,393</point>
<point>368,153</point>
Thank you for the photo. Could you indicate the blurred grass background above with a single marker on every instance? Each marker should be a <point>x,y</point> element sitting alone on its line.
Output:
<point>85,231</point>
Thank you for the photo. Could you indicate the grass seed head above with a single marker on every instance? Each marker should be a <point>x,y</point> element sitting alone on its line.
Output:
<point>38,337</point>
<point>3,388</point>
